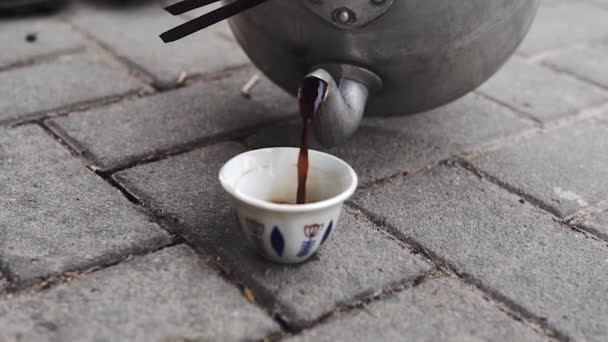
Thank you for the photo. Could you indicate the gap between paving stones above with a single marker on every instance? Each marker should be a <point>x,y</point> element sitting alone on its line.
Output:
<point>356,303</point>
<point>558,71</point>
<point>517,112</point>
<point>572,75</point>
<point>571,222</point>
<point>140,73</point>
<point>361,303</point>
<point>48,58</point>
<point>96,46</point>
<point>539,122</point>
<point>161,154</point>
<point>110,180</point>
<point>498,143</point>
<point>84,104</point>
<point>502,303</point>
<point>131,67</point>
<point>541,56</point>
<point>63,111</point>
<point>81,107</point>
<point>483,175</point>
<point>66,277</point>
<point>234,135</point>
<point>576,221</point>
<point>584,114</point>
<point>588,211</point>
<point>147,91</point>
<point>542,62</point>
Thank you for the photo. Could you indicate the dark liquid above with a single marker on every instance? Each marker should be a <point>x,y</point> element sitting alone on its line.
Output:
<point>310,97</point>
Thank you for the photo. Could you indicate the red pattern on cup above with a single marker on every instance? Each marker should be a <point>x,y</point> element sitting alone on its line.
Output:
<point>312,230</point>
<point>255,227</point>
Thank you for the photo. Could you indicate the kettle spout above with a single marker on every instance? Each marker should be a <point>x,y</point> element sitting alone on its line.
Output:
<point>340,114</point>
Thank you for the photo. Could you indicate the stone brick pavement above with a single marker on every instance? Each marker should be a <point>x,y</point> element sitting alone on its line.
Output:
<point>486,219</point>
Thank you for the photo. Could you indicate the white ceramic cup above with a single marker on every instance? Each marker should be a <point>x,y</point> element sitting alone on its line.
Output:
<point>287,233</point>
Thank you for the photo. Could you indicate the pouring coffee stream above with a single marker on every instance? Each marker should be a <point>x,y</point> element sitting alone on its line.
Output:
<point>311,94</point>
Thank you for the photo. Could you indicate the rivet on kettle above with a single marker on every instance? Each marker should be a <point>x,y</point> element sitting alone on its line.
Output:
<point>344,16</point>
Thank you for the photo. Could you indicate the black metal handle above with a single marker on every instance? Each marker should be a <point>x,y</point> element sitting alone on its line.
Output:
<point>208,19</point>
<point>187,6</point>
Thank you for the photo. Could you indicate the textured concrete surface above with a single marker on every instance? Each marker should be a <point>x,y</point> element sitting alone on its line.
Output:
<point>541,93</point>
<point>114,135</point>
<point>57,216</point>
<point>31,39</point>
<point>561,24</point>
<point>133,33</point>
<point>587,62</point>
<point>481,220</point>
<point>357,260</point>
<point>516,250</point>
<point>437,310</point>
<point>564,169</point>
<point>172,294</point>
<point>80,79</point>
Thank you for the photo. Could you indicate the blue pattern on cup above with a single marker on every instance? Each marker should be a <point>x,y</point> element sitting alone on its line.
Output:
<point>327,231</point>
<point>307,246</point>
<point>277,241</point>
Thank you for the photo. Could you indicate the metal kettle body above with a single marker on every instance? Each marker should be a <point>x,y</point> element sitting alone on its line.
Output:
<point>382,57</point>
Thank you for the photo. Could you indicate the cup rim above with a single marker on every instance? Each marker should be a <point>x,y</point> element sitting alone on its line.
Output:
<point>291,208</point>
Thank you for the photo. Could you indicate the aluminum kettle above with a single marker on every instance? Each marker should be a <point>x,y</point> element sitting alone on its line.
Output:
<point>381,57</point>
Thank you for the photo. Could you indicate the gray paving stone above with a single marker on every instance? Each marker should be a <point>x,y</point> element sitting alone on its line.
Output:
<point>515,250</point>
<point>358,260</point>
<point>603,118</point>
<point>588,63</point>
<point>601,3</point>
<point>78,79</point>
<point>436,310</point>
<point>387,146</point>
<point>171,295</point>
<point>133,33</point>
<point>561,24</point>
<point>57,216</point>
<point>540,92</point>
<point>114,135</point>
<point>598,223</point>
<point>564,169</point>
<point>50,38</point>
